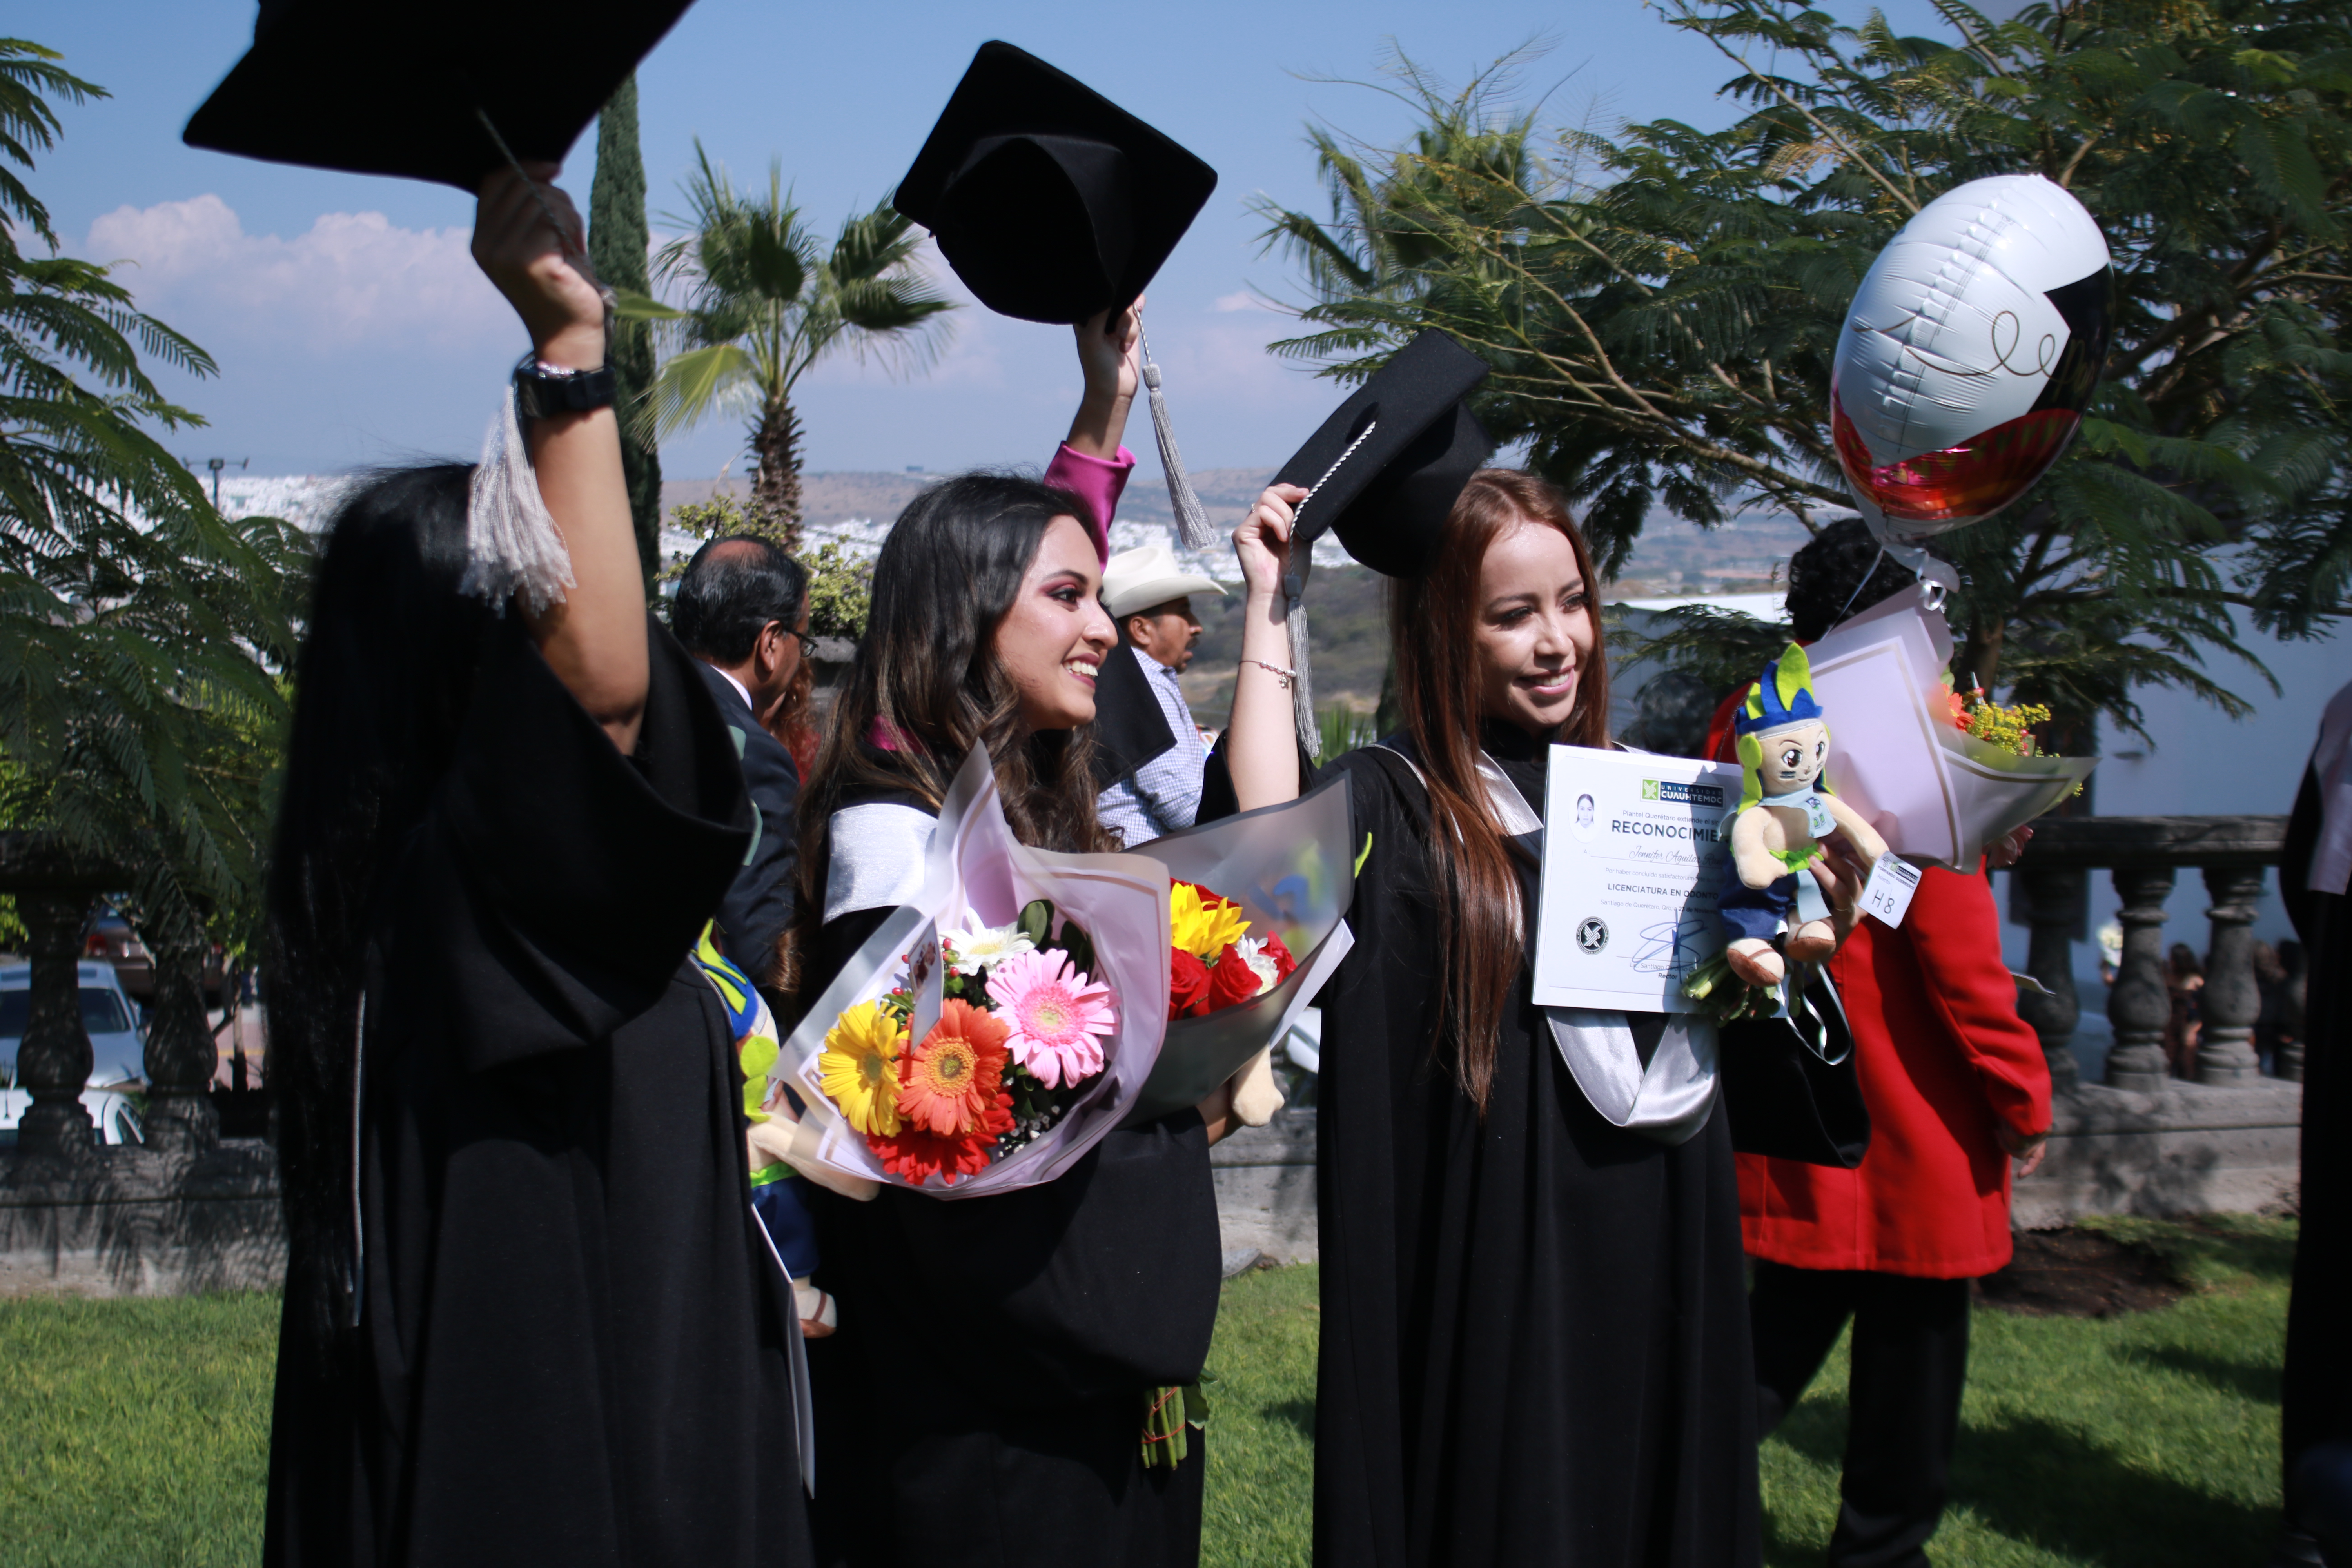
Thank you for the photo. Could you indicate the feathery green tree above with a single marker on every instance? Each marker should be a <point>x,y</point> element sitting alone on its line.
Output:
<point>140,631</point>
<point>765,301</point>
<point>1662,307</point>
<point>618,244</point>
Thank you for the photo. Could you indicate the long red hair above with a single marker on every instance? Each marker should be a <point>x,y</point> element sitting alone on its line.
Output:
<point>1433,624</point>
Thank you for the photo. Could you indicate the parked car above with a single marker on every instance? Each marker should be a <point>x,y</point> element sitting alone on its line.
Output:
<point>118,1051</point>
<point>109,937</point>
<point>116,1117</point>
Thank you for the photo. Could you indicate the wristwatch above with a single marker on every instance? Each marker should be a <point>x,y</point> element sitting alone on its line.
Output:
<point>543,390</point>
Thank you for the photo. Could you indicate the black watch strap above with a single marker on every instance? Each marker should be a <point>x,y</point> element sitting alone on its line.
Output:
<point>539,395</point>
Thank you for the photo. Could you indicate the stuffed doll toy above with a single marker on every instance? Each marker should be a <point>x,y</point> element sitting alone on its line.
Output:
<point>1786,809</point>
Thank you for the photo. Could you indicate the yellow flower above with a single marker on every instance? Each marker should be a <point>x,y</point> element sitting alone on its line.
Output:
<point>1201,923</point>
<point>860,1067</point>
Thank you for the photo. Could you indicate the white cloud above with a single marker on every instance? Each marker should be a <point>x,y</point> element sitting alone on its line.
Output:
<point>1243,300</point>
<point>353,279</point>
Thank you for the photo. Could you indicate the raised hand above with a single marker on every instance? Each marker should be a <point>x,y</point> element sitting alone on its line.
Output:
<point>541,267</point>
<point>1111,355</point>
<point>1262,543</point>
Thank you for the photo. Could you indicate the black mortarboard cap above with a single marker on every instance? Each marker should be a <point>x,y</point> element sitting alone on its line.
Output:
<point>1389,465</point>
<point>1051,201</point>
<point>378,88</point>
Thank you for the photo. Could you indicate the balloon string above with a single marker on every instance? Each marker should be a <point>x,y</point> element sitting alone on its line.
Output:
<point>1858,587</point>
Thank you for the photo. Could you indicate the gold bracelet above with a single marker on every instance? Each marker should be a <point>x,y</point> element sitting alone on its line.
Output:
<point>1284,676</point>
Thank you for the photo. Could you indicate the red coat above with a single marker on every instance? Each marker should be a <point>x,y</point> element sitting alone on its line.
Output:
<point>1943,1057</point>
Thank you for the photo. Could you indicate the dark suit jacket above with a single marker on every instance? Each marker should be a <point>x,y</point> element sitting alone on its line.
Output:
<point>759,906</point>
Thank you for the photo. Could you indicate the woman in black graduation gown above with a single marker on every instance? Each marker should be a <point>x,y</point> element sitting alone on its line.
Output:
<point>1535,1344</point>
<point>530,1316</point>
<point>982,1401</point>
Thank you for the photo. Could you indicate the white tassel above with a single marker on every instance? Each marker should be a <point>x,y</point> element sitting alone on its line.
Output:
<point>512,545</point>
<point>1192,523</point>
<point>1302,680</point>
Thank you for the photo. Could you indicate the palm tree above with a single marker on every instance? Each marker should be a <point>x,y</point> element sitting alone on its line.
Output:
<point>144,636</point>
<point>764,302</point>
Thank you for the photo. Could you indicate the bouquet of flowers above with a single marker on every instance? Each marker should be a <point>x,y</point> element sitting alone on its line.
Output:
<point>995,1028</point>
<point>1014,1036</point>
<point>1244,896</point>
<point>1213,962</point>
<point>1939,776</point>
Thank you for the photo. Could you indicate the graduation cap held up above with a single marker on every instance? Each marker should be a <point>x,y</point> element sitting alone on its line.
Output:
<point>1384,473</point>
<point>404,89</point>
<point>1051,201</point>
<point>1054,205</point>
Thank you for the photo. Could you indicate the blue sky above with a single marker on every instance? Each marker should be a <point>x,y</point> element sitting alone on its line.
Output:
<point>351,327</point>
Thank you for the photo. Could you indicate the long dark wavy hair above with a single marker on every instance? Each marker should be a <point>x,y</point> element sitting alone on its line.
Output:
<point>926,677</point>
<point>1432,621</point>
<point>386,673</point>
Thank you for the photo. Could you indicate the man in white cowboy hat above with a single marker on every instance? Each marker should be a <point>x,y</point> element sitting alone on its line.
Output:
<point>1154,787</point>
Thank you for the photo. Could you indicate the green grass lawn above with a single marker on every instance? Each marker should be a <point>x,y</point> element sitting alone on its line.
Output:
<point>136,1430</point>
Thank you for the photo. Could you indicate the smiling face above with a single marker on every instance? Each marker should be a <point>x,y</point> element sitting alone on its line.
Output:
<point>1052,640</point>
<point>1794,755</point>
<point>1534,631</point>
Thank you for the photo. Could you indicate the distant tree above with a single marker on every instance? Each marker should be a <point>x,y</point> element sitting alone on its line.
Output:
<point>764,302</point>
<point>141,634</point>
<point>618,244</point>
<point>1661,308</point>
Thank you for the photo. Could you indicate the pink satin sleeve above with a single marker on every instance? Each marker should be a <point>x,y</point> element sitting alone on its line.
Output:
<point>1097,481</point>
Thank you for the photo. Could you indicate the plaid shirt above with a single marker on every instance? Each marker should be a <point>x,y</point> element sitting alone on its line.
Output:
<point>1164,793</point>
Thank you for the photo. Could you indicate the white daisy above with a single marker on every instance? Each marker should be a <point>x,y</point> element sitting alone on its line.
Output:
<point>979,947</point>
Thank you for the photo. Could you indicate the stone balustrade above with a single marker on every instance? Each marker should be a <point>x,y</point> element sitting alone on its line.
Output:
<point>186,1210</point>
<point>2144,1141</point>
<point>2144,856</point>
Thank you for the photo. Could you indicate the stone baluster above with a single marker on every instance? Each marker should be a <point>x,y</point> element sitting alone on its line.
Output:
<point>2054,897</point>
<point>2231,1001</point>
<point>2137,1004</point>
<point>54,1059</point>
<point>2293,992</point>
<point>181,1055</point>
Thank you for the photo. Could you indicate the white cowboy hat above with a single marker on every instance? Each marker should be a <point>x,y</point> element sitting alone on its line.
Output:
<point>1137,579</point>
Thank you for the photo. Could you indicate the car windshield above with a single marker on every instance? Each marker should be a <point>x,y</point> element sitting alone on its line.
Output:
<point>103,1012</point>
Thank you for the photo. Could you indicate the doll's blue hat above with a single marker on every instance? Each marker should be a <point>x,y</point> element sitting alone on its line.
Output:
<point>1784,695</point>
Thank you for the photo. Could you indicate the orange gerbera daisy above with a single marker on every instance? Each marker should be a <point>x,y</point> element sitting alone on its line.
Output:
<point>946,1083</point>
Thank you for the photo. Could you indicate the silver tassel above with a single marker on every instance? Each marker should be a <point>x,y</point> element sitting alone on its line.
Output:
<point>1193,525</point>
<point>1302,681</point>
<point>512,545</point>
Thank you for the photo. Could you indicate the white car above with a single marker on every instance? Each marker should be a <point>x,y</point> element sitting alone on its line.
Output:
<point>117,1053</point>
<point>116,1117</point>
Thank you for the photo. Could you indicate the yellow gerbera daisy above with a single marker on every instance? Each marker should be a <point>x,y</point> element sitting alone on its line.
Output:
<point>860,1067</point>
<point>1200,922</point>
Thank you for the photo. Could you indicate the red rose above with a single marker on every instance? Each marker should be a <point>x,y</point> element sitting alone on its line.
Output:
<point>1283,963</point>
<point>1188,986</point>
<point>1232,981</point>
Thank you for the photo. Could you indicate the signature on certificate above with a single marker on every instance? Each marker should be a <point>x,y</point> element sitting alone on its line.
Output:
<point>1670,947</point>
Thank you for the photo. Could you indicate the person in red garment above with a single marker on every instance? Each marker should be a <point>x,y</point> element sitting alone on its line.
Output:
<point>1957,1087</point>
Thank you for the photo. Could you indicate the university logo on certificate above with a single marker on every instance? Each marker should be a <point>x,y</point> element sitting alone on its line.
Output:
<point>1635,849</point>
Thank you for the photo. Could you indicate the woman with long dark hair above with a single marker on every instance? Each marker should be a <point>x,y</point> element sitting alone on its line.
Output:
<point>529,1315</point>
<point>984,1397</point>
<point>1534,1332</point>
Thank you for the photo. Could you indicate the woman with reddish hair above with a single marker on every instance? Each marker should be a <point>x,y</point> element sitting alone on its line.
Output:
<point>1534,1328</point>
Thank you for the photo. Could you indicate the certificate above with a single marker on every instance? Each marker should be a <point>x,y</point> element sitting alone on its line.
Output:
<point>1634,849</point>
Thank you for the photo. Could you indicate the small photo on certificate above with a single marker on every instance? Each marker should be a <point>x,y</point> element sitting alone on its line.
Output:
<point>1634,852</point>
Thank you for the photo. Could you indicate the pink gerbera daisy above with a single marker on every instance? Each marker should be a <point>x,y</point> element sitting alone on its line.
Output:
<point>1057,1015</point>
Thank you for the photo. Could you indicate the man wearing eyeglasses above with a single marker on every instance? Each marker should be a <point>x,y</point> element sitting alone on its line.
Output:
<point>742,610</point>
